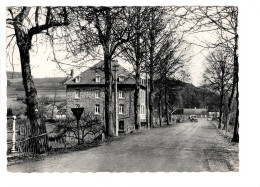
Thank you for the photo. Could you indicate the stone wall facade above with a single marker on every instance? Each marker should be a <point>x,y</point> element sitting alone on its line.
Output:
<point>88,101</point>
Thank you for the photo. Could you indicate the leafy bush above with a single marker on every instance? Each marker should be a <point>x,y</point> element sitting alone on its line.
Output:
<point>90,127</point>
<point>20,98</point>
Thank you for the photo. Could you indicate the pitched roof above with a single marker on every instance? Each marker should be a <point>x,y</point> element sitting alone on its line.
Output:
<point>189,111</point>
<point>62,111</point>
<point>178,111</point>
<point>88,76</point>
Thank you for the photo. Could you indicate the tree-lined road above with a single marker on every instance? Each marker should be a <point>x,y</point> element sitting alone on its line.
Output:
<point>190,147</point>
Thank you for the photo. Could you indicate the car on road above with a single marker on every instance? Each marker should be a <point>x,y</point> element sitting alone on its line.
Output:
<point>193,118</point>
<point>209,118</point>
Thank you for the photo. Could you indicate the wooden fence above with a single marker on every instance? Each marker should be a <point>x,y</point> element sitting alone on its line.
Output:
<point>18,135</point>
<point>19,139</point>
<point>18,131</point>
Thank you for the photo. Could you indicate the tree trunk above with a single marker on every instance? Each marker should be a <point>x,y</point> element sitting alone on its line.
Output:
<point>236,134</point>
<point>82,136</point>
<point>235,81</point>
<point>220,111</point>
<point>108,96</point>
<point>137,100</point>
<point>231,101</point>
<point>227,121</point>
<point>236,69</point>
<point>160,109</point>
<point>137,77</point>
<point>39,140</point>
<point>147,101</point>
<point>151,83</point>
<point>151,86</point>
<point>221,94</point>
<point>230,106</point>
<point>166,105</point>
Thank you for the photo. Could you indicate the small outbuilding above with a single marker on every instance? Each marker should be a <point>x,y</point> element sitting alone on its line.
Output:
<point>182,114</point>
<point>61,114</point>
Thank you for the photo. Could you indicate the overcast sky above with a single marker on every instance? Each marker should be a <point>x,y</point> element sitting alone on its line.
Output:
<point>43,66</point>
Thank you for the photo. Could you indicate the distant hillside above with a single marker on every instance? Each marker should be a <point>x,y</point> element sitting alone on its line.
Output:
<point>48,83</point>
<point>186,95</point>
<point>13,75</point>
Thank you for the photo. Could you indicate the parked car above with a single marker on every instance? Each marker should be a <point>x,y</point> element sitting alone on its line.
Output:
<point>193,118</point>
<point>209,118</point>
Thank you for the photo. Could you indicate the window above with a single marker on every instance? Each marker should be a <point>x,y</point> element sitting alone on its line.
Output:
<point>121,78</point>
<point>97,109</point>
<point>121,95</point>
<point>77,79</point>
<point>142,109</point>
<point>142,93</point>
<point>98,78</point>
<point>77,94</point>
<point>121,109</point>
<point>97,94</point>
<point>143,81</point>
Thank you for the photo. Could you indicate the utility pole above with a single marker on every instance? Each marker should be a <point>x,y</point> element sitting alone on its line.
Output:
<point>115,99</point>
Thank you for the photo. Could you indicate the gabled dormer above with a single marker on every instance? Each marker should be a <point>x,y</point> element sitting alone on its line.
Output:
<point>121,78</point>
<point>98,78</point>
<point>78,78</point>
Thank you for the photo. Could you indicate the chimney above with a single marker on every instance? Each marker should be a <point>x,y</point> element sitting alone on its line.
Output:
<point>71,73</point>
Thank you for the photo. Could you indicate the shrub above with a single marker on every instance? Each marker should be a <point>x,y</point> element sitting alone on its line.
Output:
<point>20,98</point>
<point>90,127</point>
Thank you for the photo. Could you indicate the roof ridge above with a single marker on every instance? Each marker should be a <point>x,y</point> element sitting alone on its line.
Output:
<point>88,74</point>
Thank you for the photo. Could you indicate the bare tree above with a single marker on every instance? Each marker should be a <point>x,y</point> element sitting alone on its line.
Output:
<point>223,22</point>
<point>173,60</point>
<point>112,27</point>
<point>218,76</point>
<point>28,22</point>
<point>134,52</point>
<point>164,23</point>
<point>155,36</point>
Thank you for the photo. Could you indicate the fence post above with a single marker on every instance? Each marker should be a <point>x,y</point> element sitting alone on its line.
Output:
<point>14,133</point>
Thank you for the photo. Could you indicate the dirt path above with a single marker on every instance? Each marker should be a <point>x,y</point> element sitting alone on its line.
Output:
<point>190,147</point>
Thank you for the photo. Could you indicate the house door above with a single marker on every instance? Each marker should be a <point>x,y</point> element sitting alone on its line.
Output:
<point>121,126</point>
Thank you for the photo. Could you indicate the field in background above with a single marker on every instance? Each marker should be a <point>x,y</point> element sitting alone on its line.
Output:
<point>46,87</point>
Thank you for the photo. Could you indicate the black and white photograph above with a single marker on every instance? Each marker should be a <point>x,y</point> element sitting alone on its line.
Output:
<point>124,91</point>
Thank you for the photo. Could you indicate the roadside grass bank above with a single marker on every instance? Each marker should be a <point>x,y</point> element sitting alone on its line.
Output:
<point>17,158</point>
<point>227,135</point>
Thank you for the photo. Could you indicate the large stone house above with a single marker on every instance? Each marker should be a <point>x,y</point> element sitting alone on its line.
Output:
<point>87,90</point>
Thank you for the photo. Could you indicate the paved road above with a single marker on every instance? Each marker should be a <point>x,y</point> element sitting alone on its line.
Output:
<point>190,147</point>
